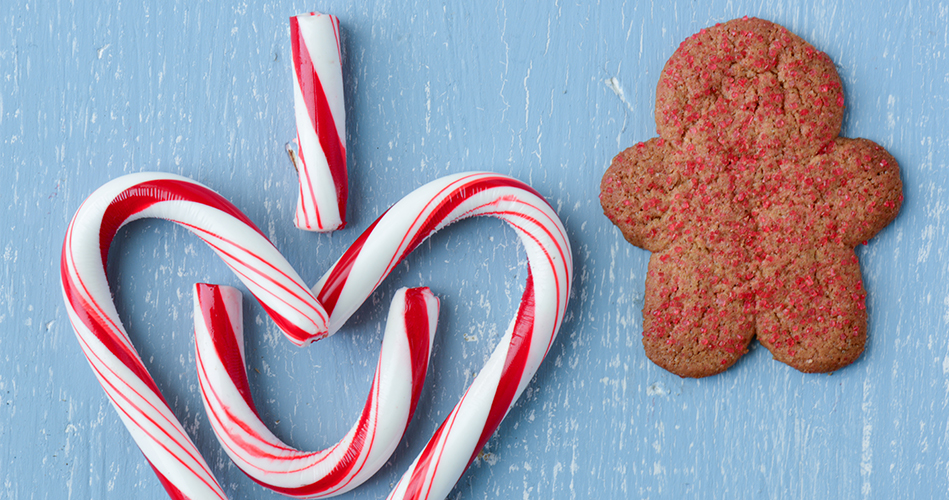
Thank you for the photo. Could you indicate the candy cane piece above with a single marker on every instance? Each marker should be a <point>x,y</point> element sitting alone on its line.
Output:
<point>103,338</point>
<point>403,363</point>
<point>321,122</point>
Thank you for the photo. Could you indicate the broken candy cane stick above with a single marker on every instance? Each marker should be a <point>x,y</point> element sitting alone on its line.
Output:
<point>320,159</point>
<point>350,281</point>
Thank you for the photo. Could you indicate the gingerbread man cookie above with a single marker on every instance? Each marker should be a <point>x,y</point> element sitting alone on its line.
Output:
<point>751,205</point>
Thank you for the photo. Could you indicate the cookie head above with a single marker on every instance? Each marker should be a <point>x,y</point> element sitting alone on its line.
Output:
<point>749,87</point>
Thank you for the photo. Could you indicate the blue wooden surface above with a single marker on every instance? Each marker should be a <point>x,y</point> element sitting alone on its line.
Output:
<point>90,92</point>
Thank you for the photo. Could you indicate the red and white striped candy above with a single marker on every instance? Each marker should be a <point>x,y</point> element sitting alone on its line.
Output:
<point>321,122</point>
<point>396,386</point>
<point>344,287</point>
<point>103,338</point>
<point>528,338</point>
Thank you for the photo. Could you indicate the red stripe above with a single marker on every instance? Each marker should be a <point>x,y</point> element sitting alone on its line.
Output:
<point>172,490</point>
<point>336,281</point>
<point>334,479</point>
<point>339,51</point>
<point>512,372</point>
<point>550,263</point>
<point>424,231</point>
<point>514,366</point>
<point>423,463</point>
<point>321,116</point>
<point>306,181</point>
<point>143,195</point>
<point>366,449</point>
<point>293,331</point>
<point>418,334</point>
<point>107,385</point>
<point>98,325</point>
<point>231,419</point>
<point>128,203</point>
<point>213,484</point>
<point>457,197</point>
<point>417,326</point>
<point>247,277</point>
<point>81,291</point>
<point>329,294</point>
<point>224,337</point>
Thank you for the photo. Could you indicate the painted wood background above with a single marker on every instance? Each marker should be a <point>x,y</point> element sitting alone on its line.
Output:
<point>547,92</point>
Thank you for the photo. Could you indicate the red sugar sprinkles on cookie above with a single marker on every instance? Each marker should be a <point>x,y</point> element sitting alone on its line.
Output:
<point>751,205</point>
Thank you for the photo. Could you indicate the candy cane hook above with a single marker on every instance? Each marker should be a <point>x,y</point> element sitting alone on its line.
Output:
<point>103,338</point>
<point>396,386</point>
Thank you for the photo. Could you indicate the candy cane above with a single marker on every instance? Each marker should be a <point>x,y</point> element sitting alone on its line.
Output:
<point>346,285</point>
<point>396,386</point>
<point>321,122</point>
<point>103,338</point>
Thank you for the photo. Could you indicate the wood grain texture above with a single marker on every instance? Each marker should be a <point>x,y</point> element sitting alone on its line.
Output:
<point>547,93</point>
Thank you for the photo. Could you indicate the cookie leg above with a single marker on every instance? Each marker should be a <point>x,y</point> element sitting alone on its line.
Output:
<point>812,309</point>
<point>698,313</point>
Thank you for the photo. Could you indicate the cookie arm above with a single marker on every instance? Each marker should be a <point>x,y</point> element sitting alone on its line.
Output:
<point>864,188</point>
<point>635,193</point>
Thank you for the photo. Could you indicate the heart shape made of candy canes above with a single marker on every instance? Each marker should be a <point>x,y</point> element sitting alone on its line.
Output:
<point>304,316</point>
